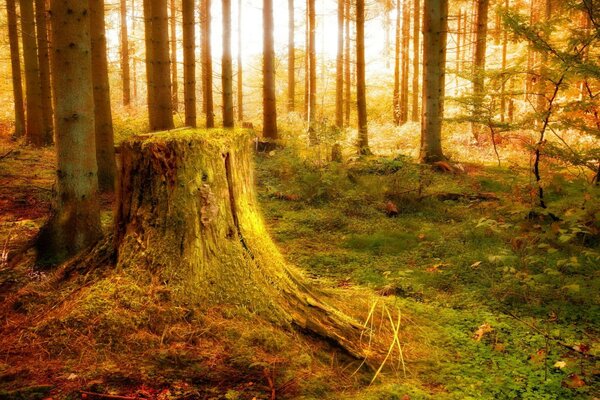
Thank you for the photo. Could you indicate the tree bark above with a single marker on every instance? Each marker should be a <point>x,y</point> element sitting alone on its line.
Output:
<point>312,74</point>
<point>189,61</point>
<point>35,134</point>
<point>503,67</point>
<point>348,56</point>
<point>339,68</point>
<point>291,58</point>
<point>162,78</point>
<point>44,63</point>
<point>479,64</point>
<point>124,47</point>
<point>405,61</point>
<point>149,50</point>
<point>227,66</point>
<point>361,95</point>
<point>207,85</point>
<point>397,64</point>
<point>75,222</point>
<point>15,63</point>
<point>269,104</point>
<point>105,143</point>
<point>173,41</point>
<point>187,210</point>
<point>240,68</point>
<point>435,27</point>
<point>416,57</point>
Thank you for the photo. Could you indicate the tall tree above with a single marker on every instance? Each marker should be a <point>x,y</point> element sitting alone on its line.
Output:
<point>160,107</point>
<point>226,66</point>
<point>207,85</point>
<point>435,27</point>
<point>503,66</point>
<point>35,114</point>
<point>240,69</point>
<point>405,61</point>
<point>15,63</point>
<point>75,222</point>
<point>173,40</point>
<point>44,64</point>
<point>416,57</point>
<point>105,143</point>
<point>339,68</point>
<point>347,57</point>
<point>189,61</point>
<point>397,65</point>
<point>269,105</point>
<point>124,48</point>
<point>361,96</point>
<point>542,72</point>
<point>312,73</point>
<point>291,58</point>
<point>479,62</point>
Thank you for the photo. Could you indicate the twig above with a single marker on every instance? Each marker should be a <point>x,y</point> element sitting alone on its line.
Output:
<point>6,154</point>
<point>85,395</point>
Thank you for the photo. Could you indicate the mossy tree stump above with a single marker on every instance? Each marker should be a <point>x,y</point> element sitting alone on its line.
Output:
<point>187,210</point>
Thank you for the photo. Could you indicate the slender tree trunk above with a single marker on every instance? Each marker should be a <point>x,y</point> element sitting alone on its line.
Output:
<point>269,104</point>
<point>542,101</point>
<point>149,50</point>
<point>347,57</point>
<point>125,74</point>
<point>35,113</point>
<point>161,105</point>
<point>405,61</point>
<point>479,64</point>
<point>306,61</point>
<point>339,69</point>
<point>388,6</point>
<point>397,64</point>
<point>240,69</point>
<point>173,40</point>
<point>459,41</point>
<point>361,95</point>
<point>435,27</point>
<point>416,57</point>
<point>15,63</point>
<point>312,74</point>
<point>44,64</point>
<point>227,66</point>
<point>105,144</point>
<point>189,61</point>
<point>503,85</point>
<point>291,58</point>
<point>75,223</point>
<point>207,85</point>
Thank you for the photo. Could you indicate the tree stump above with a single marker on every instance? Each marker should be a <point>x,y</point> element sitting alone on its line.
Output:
<point>187,210</point>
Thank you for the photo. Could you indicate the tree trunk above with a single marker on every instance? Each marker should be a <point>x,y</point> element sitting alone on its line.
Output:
<point>269,104</point>
<point>105,143</point>
<point>173,40</point>
<point>227,66</point>
<point>75,223</point>
<point>312,74</point>
<point>149,50</point>
<point>125,74</point>
<point>542,101</point>
<point>240,69</point>
<point>339,68</point>
<point>291,58</point>
<point>163,103</point>
<point>44,64</point>
<point>134,62</point>
<point>388,6</point>
<point>435,26</point>
<point>479,64</point>
<point>35,114</point>
<point>405,61</point>
<point>347,78</point>
<point>189,61</point>
<point>459,42</point>
<point>187,210</point>
<point>416,56</point>
<point>503,66</point>
<point>207,85</point>
<point>397,65</point>
<point>15,63</point>
<point>361,95</point>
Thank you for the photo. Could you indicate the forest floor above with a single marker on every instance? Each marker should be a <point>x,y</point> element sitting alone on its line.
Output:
<point>494,301</point>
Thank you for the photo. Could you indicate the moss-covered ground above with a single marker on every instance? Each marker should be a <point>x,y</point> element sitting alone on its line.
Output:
<point>493,301</point>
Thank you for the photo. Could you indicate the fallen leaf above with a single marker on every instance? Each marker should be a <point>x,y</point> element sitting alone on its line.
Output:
<point>573,381</point>
<point>482,331</point>
<point>560,364</point>
<point>476,264</point>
